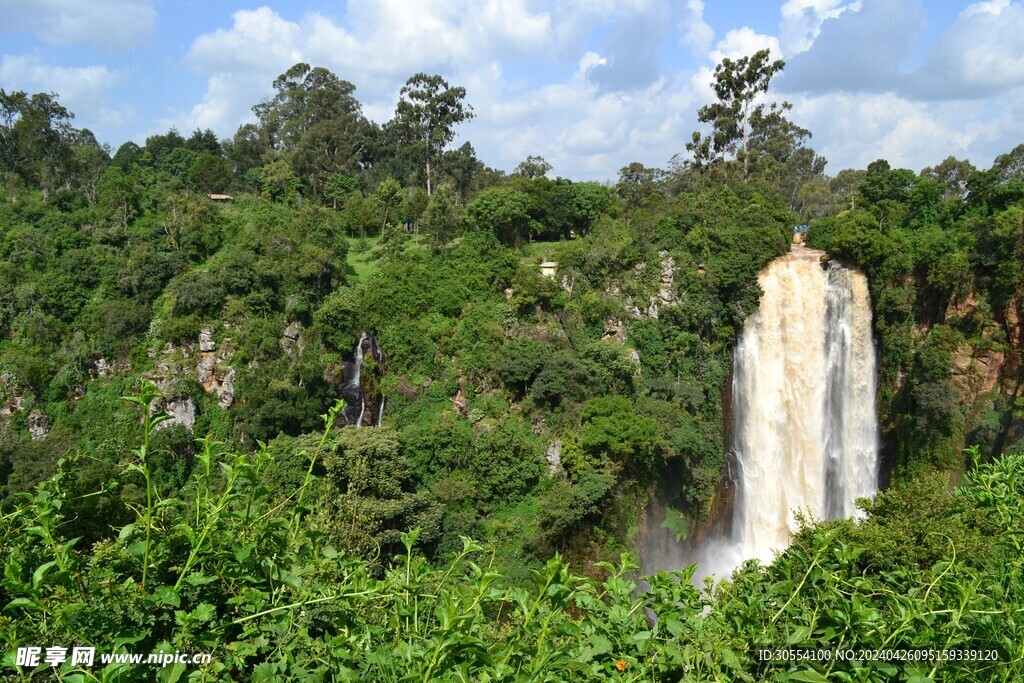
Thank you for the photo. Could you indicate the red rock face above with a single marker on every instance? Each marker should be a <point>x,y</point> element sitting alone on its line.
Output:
<point>975,375</point>
<point>1014,318</point>
<point>460,404</point>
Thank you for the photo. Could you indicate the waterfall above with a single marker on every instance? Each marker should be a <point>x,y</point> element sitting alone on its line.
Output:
<point>804,425</point>
<point>357,379</point>
<point>361,384</point>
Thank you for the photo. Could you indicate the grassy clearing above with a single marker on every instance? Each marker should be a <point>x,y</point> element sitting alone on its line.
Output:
<point>361,263</point>
<point>535,252</point>
<point>364,255</point>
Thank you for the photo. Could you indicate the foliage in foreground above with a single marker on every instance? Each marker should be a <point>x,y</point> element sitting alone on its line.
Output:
<point>228,569</point>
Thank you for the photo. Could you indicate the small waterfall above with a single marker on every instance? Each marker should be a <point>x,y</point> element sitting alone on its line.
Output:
<point>804,421</point>
<point>360,389</point>
<point>357,379</point>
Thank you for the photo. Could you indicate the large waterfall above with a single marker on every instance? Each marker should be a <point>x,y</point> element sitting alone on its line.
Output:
<point>804,431</point>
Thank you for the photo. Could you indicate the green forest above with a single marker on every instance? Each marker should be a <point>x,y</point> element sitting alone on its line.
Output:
<point>335,401</point>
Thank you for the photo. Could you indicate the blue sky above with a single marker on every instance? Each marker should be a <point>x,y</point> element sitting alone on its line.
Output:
<point>591,85</point>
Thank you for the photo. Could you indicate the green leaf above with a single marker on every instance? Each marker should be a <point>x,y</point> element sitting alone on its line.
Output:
<point>166,595</point>
<point>203,612</point>
<point>21,603</point>
<point>599,644</point>
<point>808,676</point>
<point>197,579</point>
<point>186,531</point>
<point>581,667</point>
<point>674,626</point>
<point>242,553</point>
<point>171,674</point>
<point>40,573</point>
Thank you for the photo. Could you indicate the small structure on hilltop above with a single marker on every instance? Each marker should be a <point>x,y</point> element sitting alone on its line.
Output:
<point>548,268</point>
<point>800,233</point>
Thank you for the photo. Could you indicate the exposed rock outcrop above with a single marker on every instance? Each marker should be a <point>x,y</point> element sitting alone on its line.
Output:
<point>182,411</point>
<point>614,330</point>
<point>291,340</point>
<point>11,399</point>
<point>975,375</point>
<point>460,404</point>
<point>554,457</point>
<point>213,370</point>
<point>666,289</point>
<point>38,425</point>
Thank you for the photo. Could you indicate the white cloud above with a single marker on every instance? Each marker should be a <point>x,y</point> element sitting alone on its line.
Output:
<point>861,50</point>
<point>582,84</point>
<point>80,89</point>
<point>586,105</point>
<point>632,50</point>
<point>802,20</point>
<point>696,33</point>
<point>978,55</point>
<point>101,23</point>
<point>992,7</point>
<point>742,42</point>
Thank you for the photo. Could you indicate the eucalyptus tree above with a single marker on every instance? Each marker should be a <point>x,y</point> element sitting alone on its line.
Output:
<point>35,136</point>
<point>425,118</point>
<point>738,85</point>
<point>315,122</point>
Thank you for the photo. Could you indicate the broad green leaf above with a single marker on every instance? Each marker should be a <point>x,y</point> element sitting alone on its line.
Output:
<point>40,573</point>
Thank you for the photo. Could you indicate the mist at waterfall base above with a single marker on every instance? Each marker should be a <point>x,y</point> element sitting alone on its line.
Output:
<point>804,431</point>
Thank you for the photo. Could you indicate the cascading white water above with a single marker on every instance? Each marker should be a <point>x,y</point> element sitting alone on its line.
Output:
<point>357,379</point>
<point>804,424</point>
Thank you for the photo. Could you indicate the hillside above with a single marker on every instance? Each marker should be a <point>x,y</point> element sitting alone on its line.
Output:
<point>259,394</point>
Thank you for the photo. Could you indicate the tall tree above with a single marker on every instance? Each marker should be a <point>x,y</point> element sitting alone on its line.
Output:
<point>91,159</point>
<point>533,167</point>
<point>245,150</point>
<point>390,195</point>
<point>428,111</point>
<point>35,134</point>
<point>738,84</point>
<point>442,217</point>
<point>305,96</point>
<point>953,174</point>
<point>316,123</point>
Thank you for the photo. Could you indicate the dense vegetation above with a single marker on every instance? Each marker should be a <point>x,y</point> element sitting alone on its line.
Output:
<point>944,253</point>
<point>225,568</point>
<point>537,414</point>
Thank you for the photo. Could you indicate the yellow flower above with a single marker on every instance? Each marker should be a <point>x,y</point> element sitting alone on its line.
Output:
<point>620,665</point>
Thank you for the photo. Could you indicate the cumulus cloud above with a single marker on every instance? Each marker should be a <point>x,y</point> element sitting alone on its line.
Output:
<point>858,79</point>
<point>695,32</point>
<point>802,19</point>
<point>583,105</point>
<point>632,51</point>
<point>978,55</point>
<point>855,129</point>
<point>859,50</point>
<point>107,24</point>
<point>870,48</point>
<point>742,42</point>
<point>383,44</point>
<point>80,89</point>
<point>583,84</point>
